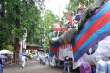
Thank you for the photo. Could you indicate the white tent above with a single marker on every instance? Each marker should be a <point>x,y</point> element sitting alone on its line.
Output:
<point>5,52</point>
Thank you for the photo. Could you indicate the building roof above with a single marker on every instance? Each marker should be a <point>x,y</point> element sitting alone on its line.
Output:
<point>33,46</point>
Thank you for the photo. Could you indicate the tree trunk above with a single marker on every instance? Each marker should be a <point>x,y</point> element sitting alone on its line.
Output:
<point>16,51</point>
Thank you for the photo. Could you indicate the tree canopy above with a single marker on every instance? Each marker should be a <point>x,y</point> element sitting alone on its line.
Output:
<point>15,15</point>
<point>73,5</point>
<point>49,20</point>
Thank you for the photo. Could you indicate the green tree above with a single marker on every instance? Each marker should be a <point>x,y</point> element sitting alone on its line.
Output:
<point>15,15</point>
<point>86,2</point>
<point>73,5</point>
<point>49,20</point>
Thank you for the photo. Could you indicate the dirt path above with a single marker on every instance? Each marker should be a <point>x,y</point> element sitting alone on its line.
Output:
<point>33,67</point>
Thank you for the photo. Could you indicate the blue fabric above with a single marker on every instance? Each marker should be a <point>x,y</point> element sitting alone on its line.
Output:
<point>83,48</point>
<point>88,24</point>
<point>93,38</point>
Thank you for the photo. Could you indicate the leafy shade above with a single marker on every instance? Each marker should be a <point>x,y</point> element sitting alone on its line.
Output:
<point>15,15</point>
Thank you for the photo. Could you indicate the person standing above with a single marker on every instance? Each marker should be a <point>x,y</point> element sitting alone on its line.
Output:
<point>66,65</point>
<point>1,65</point>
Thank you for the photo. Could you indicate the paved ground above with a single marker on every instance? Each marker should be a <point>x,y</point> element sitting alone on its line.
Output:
<point>33,67</point>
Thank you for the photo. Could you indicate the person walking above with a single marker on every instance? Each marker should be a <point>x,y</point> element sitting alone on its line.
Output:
<point>23,57</point>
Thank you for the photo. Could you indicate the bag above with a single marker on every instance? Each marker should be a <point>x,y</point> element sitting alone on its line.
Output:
<point>101,67</point>
<point>85,68</point>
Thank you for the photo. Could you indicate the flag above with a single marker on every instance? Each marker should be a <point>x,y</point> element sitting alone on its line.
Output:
<point>96,28</point>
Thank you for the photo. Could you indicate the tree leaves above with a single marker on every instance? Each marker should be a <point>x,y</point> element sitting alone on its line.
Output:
<point>49,20</point>
<point>19,14</point>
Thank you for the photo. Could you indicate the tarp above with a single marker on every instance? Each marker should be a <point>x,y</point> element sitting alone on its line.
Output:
<point>95,29</point>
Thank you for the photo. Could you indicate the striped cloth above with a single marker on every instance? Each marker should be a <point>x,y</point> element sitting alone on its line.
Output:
<point>95,29</point>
